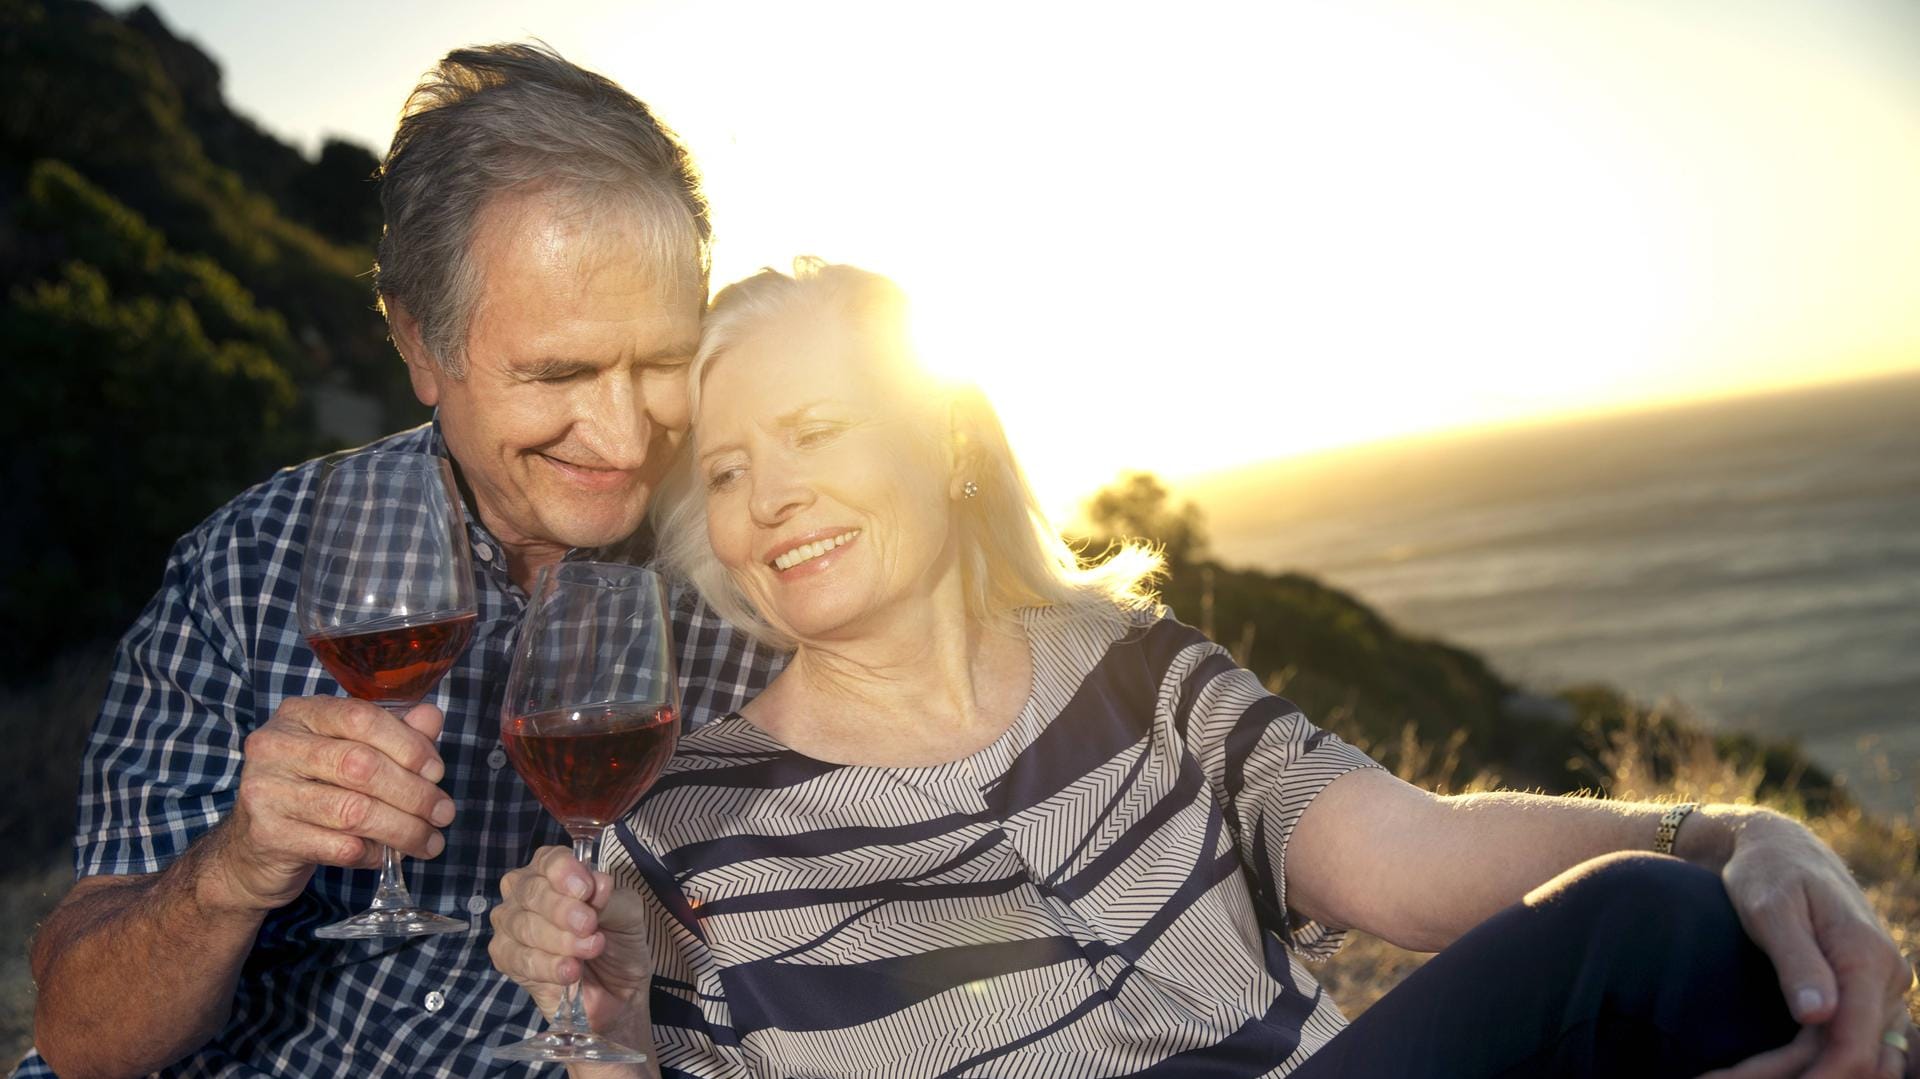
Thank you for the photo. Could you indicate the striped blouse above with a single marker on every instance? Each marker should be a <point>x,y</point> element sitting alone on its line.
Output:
<point>1085,896</point>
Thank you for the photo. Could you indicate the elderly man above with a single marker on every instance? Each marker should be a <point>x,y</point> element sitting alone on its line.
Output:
<point>543,273</point>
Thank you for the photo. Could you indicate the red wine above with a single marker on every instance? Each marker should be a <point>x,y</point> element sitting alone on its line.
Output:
<point>589,766</point>
<point>394,664</point>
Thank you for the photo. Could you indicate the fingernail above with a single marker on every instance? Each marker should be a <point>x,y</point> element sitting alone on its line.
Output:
<point>578,888</point>
<point>1806,1000</point>
<point>443,813</point>
<point>435,844</point>
<point>578,920</point>
<point>435,771</point>
<point>588,944</point>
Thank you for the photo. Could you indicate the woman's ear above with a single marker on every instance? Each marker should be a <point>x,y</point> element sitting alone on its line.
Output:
<point>963,448</point>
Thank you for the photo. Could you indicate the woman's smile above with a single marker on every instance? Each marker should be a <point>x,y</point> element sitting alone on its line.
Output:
<point>805,553</point>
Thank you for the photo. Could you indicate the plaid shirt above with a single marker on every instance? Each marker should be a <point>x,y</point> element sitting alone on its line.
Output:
<point>212,657</point>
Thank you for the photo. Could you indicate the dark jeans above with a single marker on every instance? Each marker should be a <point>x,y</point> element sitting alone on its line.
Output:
<point>1633,966</point>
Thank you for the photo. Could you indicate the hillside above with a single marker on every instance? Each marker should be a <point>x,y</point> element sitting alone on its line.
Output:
<point>177,290</point>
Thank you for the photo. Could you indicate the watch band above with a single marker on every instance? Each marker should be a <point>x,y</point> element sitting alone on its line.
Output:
<point>1670,826</point>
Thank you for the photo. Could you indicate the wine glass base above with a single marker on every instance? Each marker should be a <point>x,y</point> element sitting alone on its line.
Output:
<point>391,922</point>
<point>561,1047</point>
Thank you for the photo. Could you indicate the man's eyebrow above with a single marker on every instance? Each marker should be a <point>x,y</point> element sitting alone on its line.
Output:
<point>548,367</point>
<point>674,353</point>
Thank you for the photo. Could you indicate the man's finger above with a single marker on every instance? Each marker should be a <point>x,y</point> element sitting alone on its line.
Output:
<point>358,721</point>
<point>338,809</point>
<point>427,719</point>
<point>1783,1063</point>
<point>360,767</point>
<point>1778,921</point>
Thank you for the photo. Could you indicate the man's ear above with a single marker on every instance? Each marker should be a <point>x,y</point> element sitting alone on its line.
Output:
<point>422,369</point>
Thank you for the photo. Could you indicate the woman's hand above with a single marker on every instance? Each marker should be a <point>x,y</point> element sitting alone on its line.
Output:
<point>557,922</point>
<point>1838,967</point>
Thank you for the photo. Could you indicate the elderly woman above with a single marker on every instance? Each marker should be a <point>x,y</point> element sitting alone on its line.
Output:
<point>999,817</point>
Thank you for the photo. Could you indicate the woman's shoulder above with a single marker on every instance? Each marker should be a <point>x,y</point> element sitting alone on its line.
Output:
<point>1072,648</point>
<point>1155,630</point>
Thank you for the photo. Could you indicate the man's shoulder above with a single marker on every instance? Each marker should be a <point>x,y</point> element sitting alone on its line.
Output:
<point>271,513</point>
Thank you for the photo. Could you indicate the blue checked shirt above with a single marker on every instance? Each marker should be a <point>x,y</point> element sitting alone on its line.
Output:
<point>210,659</point>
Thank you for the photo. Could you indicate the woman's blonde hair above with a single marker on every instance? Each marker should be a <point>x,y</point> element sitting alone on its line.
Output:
<point>1010,557</point>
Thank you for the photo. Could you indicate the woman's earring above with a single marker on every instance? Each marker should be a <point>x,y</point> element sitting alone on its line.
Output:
<point>969,489</point>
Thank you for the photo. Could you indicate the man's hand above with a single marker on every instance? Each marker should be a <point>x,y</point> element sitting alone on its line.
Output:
<point>557,923</point>
<point>1839,969</point>
<point>325,782</point>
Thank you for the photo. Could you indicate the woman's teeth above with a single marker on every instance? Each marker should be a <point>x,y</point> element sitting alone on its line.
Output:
<point>813,550</point>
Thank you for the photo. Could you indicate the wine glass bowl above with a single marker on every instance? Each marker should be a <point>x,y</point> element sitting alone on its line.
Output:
<point>591,716</point>
<point>589,765</point>
<point>386,602</point>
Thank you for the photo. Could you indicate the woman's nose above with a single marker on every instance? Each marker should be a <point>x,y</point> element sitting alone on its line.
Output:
<point>778,494</point>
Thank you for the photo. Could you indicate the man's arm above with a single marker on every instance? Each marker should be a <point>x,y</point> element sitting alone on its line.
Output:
<point>154,956</point>
<point>135,972</point>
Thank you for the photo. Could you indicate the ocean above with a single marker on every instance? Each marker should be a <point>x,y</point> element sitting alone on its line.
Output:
<point>1754,559</point>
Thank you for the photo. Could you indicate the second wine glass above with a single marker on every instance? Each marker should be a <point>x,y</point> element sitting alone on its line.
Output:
<point>591,716</point>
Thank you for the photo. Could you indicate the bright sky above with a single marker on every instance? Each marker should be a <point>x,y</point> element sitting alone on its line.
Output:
<point>1187,237</point>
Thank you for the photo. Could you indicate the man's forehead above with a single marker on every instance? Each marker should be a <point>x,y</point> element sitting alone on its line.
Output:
<point>597,247</point>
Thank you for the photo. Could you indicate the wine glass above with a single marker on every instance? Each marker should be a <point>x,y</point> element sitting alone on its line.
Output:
<point>591,715</point>
<point>386,604</point>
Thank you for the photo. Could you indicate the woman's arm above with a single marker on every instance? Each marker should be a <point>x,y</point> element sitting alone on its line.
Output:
<point>1419,869</point>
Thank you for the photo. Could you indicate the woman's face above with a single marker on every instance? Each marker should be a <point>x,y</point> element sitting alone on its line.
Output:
<point>829,510</point>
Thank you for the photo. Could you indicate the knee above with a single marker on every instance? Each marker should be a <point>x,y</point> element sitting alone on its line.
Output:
<point>1637,895</point>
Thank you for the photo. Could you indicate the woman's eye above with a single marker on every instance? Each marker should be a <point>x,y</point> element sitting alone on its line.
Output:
<point>723,478</point>
<point>815,436</point>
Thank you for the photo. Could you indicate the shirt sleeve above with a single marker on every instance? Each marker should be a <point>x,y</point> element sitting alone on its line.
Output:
<point>693,1033</point>
<point>163,760</point>
<point>1265,762</point>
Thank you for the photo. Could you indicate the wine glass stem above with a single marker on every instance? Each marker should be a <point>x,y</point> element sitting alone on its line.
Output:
<point>392,894</point>
<point>571,1016</point>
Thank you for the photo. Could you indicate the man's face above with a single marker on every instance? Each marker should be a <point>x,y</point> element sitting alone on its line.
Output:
<point>575,397</point>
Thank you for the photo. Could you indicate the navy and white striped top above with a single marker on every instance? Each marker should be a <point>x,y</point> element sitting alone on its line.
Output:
<point>1083,897</point>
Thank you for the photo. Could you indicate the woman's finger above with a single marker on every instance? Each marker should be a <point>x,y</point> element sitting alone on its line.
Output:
<point>542,918</point>
<point>1859,953</point>
<point>569,877</point>
<point>1778,920</point>
<point>538,972</point>
<point>527,949</point>
<point>1785,1062</point>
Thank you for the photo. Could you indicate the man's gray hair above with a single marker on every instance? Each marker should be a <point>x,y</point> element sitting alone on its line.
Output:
<point>499,119</point>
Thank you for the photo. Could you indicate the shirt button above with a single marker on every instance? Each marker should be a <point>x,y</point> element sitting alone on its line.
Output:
<point>477,904</point>
<point>497,759</point>
<point>484,551</point>
<point>436,1000</point>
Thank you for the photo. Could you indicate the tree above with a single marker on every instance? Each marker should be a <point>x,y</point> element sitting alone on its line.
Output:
<point>1139,506</point>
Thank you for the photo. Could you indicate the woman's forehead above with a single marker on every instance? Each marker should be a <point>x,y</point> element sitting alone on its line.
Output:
<point>776,364</point>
